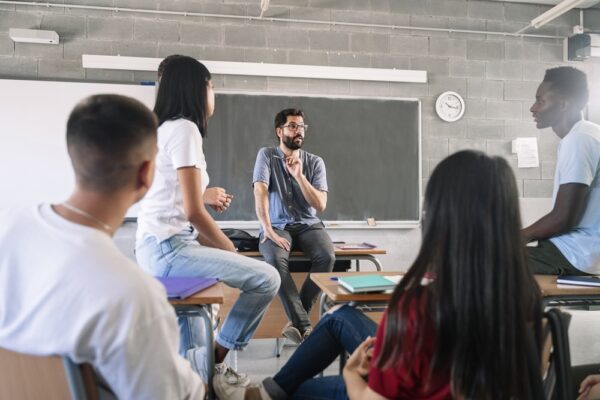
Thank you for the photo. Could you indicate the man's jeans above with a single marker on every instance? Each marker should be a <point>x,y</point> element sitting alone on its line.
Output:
<point>182,256</point>
<point>316,244</point>
<point>342,330</point>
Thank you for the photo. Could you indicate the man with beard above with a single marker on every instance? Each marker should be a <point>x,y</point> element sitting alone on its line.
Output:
<point>569,236</point>
<point>290,186</point>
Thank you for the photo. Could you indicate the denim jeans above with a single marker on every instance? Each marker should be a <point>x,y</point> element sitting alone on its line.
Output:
<point>342,330</point>
<point>316,244</point>
<point>182,255</point>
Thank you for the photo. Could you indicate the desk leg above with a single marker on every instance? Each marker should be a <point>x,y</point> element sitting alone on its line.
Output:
<point>375,261</point>
<point>368,257</point>
<point>322,305</point>
<point>205,313</point>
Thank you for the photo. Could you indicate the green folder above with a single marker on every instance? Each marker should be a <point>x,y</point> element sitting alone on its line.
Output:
<point>366,283</point>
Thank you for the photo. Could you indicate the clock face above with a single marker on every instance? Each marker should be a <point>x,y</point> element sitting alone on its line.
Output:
<point>450,106</point>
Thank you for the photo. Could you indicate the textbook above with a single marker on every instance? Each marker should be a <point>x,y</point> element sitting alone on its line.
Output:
<point>590,280</point>
<point>356,246</point>
<point>181,288</point>
<point>366,283</point>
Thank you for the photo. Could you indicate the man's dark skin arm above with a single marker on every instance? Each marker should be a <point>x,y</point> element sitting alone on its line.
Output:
<point>567,211</point>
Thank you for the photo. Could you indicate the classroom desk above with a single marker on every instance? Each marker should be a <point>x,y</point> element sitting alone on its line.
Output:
<point>332,290</point>
<point>353,255</point>
<point>556,295</point>
<point>553,294</point>
<point>199,305</point>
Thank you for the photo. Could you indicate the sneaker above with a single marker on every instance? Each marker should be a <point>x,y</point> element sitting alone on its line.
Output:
<point>228,375</point>
<point>241,393</point>
<point>306,333</point>
<point>292,333</point>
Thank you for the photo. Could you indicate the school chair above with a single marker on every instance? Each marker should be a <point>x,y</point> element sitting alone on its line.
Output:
<point>24,377</point>
<point>556,356</point>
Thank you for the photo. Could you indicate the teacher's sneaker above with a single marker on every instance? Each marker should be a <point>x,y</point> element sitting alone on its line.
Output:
<point>291,333</point>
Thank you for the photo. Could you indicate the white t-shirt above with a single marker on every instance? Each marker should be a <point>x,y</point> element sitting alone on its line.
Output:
<point>578,161</point>
<point>65,289</point>
<point>161,211</point>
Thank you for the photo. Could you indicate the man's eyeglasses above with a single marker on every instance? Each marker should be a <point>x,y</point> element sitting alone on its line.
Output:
<point>295,127</point>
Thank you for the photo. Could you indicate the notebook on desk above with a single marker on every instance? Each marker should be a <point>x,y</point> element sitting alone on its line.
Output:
<point>181,288</point>
<point>356,246</point>
<point>591,280</point>
<point>366,283</point>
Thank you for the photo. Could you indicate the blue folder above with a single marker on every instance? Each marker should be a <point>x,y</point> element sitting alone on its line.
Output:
<point>181,288</point>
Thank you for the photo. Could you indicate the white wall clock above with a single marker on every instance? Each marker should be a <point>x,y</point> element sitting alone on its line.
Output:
<point>450,106</point>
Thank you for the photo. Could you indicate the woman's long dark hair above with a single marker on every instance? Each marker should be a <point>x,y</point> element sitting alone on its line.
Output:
<point>182,92</point>
<point>483,298</point>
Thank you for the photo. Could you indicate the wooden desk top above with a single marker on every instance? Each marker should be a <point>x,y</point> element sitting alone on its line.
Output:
<point>211,295</point>
<point>338,252</point>
<point>549,287</point>
<point>336,293</point>
<point>332,289</point>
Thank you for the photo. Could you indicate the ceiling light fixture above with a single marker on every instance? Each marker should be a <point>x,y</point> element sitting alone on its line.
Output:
<point>553,13</point>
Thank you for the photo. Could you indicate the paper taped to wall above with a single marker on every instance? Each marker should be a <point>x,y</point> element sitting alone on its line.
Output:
<point>526,149</point>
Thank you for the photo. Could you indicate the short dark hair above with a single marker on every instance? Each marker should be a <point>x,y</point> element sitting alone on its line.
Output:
<point>163,64</point>
<point>571,83</point>
<point>182,92</point>
<point>107,135</point>
<point>281,117</point>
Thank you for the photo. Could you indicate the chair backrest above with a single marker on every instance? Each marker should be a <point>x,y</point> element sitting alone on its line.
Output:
<point>556,356</point>
<point>25,377</point>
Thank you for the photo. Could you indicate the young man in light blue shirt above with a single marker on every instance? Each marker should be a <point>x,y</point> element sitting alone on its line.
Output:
<point>569,236</point>
<point>290,186</point>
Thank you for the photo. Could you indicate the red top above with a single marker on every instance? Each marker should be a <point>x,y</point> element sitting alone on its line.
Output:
<point>402,382</point>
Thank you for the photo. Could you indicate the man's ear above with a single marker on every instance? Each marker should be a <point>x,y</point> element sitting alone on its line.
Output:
<point>145,174</point>
<point>278,132</point>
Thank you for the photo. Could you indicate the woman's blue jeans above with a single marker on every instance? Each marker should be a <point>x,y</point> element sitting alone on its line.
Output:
<point>182,255</point>
<point>342,330</point>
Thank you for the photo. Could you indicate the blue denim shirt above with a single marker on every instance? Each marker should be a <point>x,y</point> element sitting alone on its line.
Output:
<point>287,204</point>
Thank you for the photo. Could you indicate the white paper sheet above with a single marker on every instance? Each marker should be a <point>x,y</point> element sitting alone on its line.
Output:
<point>526,149</point>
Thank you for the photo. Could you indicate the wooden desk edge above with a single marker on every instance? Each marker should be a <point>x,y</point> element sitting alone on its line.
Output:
<point>330,287</point>
<point>211,295</point>
<point>338,252</point>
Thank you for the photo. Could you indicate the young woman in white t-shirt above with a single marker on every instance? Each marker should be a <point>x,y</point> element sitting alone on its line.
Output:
<point>176,235</point>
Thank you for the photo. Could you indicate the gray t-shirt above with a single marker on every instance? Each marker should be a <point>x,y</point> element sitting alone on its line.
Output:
<point>287,204</point>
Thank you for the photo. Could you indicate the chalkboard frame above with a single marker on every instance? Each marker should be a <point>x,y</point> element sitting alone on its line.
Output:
<point>353,224</point>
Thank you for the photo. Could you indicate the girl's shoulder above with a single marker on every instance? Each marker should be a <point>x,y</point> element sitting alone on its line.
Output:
<point>180,126</point>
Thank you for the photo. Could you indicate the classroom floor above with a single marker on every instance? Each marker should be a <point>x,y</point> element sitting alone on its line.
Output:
<point>258,360</point>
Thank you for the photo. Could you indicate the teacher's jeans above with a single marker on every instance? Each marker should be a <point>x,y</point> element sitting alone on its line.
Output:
<point>342,330</point>
<point>182,256</point>
<point>317,246</point>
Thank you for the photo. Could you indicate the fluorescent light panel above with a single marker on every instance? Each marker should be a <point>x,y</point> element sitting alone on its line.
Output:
<point>263,69</point>
<point>555,12</point>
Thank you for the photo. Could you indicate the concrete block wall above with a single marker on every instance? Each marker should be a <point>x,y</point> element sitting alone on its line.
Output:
<point>497,75</point>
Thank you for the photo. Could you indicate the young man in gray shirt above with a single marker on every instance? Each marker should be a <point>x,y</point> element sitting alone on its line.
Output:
<point>290,186</point>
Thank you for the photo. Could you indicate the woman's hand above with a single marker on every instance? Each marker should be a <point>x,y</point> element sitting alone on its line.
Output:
<point>360,361</point>
<point>217,198</point>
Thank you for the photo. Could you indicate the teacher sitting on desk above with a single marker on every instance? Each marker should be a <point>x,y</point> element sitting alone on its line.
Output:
<point>290,186</point>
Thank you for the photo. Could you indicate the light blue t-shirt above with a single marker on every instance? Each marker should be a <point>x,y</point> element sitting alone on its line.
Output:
<point>578,161</point>
<point>287,204</point>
